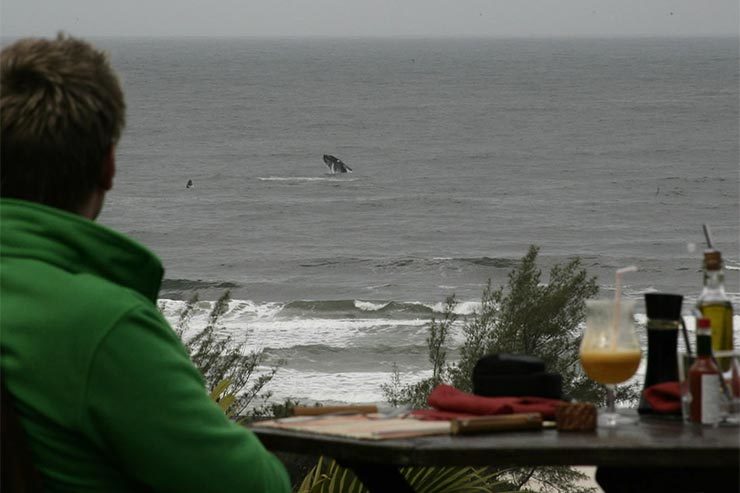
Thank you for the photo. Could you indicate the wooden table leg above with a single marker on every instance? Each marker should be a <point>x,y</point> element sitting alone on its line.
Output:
<point>379,478</point>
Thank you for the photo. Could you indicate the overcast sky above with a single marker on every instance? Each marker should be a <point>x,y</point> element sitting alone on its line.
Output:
<point>370,17</point>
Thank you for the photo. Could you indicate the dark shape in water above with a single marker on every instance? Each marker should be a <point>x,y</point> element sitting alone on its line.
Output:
<point>190,184</point>
<point>335,164</point>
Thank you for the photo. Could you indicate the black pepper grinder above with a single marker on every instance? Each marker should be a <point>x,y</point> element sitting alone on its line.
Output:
<point>664,321</point>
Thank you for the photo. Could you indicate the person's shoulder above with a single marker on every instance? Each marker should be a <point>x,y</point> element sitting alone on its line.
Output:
<point>108,293</point>
<point>99,305</point>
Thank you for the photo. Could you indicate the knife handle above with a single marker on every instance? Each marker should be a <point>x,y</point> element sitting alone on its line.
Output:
<point>487,424</point>
<point>319,410</point>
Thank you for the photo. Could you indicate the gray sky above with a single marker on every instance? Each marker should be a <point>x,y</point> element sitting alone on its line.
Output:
<point>370,17</point>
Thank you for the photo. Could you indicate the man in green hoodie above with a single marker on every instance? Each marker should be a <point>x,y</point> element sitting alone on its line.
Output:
<point>104,389</point>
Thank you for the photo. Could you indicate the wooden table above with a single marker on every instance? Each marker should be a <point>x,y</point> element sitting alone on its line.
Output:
<point>651,442</point>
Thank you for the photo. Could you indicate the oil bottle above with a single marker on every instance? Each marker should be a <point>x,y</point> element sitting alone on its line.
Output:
<point>713,302</point>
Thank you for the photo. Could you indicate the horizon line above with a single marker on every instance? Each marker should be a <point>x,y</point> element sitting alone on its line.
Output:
<point>378,36</point>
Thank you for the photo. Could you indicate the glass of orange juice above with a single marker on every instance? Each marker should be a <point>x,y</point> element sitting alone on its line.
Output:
<point>610,352</point>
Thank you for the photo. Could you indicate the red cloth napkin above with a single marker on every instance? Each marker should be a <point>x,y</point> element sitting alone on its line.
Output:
<point>664,397</point>
<point>449,402</point>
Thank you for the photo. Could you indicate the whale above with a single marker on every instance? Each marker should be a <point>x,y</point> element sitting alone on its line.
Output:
<point>335,164</point>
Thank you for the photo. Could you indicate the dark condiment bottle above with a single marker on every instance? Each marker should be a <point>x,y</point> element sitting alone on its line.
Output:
<point>664,319</point>
<point>704,383</point>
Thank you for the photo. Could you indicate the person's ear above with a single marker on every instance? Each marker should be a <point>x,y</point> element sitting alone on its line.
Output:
<point>109,169</point>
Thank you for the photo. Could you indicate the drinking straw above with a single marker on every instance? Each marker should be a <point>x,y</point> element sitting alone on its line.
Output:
<point>618,301</point>
<point>686,337</point>
<point>722,384</point>
<point>708,236</point>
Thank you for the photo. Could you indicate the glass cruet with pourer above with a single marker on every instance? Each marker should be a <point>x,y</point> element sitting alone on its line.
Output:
<point>713,302</point>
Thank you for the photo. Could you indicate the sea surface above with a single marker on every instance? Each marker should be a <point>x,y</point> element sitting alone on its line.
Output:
<point>464,152</point>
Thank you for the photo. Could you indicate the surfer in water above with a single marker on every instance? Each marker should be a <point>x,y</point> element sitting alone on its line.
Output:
<point>335,164</point>
<point>190,184</point>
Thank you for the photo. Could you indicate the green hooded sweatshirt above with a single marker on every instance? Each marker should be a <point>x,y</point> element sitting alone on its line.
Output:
<point>105,390</point>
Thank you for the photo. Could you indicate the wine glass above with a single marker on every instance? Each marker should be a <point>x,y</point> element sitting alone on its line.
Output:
<point>610,352</point>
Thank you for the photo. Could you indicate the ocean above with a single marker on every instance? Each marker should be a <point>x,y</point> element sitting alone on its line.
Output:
<point>464,152</point>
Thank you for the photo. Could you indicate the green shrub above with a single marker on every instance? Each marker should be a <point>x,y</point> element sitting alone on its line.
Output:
<point>534,318</point>
<point>527,316</point>
<point>229,370</point>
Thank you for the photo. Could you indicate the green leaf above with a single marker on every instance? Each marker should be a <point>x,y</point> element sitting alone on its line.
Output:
<point>226,402</point>
<point>329,477</point>
<point>219,389</point>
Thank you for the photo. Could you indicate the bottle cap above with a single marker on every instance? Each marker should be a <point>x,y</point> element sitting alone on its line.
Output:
<point>712,260</point>
<point>662,306</point>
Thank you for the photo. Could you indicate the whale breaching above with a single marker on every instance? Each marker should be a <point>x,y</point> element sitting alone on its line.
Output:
<point>335,164</point>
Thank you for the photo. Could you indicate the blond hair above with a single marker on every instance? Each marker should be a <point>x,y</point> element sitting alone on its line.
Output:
<point>61,110</point>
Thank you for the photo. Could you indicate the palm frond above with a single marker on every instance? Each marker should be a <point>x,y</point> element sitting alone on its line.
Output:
<point>329,477</point>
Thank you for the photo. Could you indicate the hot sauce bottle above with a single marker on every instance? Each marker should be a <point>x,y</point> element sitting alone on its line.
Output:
<point>704,378</point>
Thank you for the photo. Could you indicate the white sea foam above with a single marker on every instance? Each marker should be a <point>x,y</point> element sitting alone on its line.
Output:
<point>331,332</point>
<point>304,178</point>
<point>260,310</point>
<point>351,387</point>
<point>236,310</point>
<point>260,326</point>
<point>461,308</point>
<point>370,306</point>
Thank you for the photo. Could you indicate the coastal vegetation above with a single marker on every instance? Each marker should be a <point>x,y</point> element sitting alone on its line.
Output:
<point>234,376</point>
<point>526,316</point>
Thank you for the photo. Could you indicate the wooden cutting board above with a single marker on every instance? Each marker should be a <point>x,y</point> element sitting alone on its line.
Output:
<point>379,427</point>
